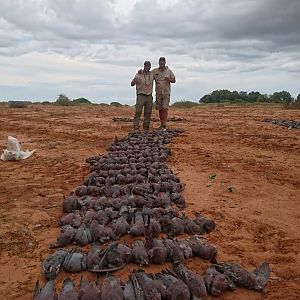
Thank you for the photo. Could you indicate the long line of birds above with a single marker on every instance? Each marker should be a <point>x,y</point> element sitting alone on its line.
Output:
<point>132,191</point>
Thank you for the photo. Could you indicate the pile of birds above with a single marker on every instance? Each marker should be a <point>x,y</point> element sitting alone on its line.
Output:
<point>285,123</point>
<point>131,191</point>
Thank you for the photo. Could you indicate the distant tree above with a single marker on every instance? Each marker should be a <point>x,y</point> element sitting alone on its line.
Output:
<point>281,97</point>
<point>262,98</point>
<point>117,104</point>
<point>298,97</point>
<point>81,101</point>
<point>63,100</point>
<point>253,96</point>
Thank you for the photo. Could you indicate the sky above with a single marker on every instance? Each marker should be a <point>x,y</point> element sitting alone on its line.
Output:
<point>93,48</point>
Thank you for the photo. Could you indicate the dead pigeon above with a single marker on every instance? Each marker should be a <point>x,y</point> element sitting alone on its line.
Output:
<point>93,257</point>
<point>110,260</point>
<point>111,289</point>
<point>89,290</point>
<point>74,219</point>
<point>174,253</point>
<point>53,263</point>
<point>68,292</point>
<point>75,261</point>
<point>177,226</point>
<point>158,252</point>
<point>206,224</point>
<point>46,293</point>
<point>139,253</point>
<point>100,233</point>
<point>152,288</point>
<point>185,248</point>
<point>137,227</point>
<point>217,282</point>
<point>120,227</point>
<point>202,248</point>
<point>194,281</point>
<point>83,235</point>
<point>192,227</point>
<point>255,280</point>
<point>176,288</point>
<point>70,203</point>
<point>119,256</point>
<point>65,237</point>
<point>129,292</point>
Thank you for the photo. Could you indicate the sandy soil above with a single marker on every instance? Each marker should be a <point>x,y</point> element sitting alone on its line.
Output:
<point>259,220</point>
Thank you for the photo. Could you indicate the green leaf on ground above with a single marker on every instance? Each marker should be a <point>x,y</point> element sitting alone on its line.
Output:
<point>213,176</point>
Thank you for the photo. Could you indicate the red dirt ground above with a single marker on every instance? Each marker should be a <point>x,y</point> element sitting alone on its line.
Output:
<point>259,220</point>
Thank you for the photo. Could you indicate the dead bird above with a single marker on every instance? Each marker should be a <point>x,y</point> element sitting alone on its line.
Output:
<point>202,248</point>
<point>137,226</point>
<point>75,261</point>
<point>152,288</point>
<point>217,282</point>
<point>46,293</point>
<point>255,280</point>
<point>74,219</point>
<point>93,257</point>
<point>66,236</point>
<point>120,227</point>
<point>129,292</point>
<point>68,292</point>
<point>108,256</point>
<point>53,263</point>
<point>119,256</point>
<point>100,233</point>
<point>70,203</point>
<point>89,290</point>
<point>158,252</point>
<point>194,281</point>
<point>83,235</point>
<point>185,248</point>
<point>178,199</point>
<point>139,253</point>
<point>111,289</point>
<point>207,224</point>
<point>176,288</point>
<point>192,227</point>
<point>177,226</point>
<point>174,253</point>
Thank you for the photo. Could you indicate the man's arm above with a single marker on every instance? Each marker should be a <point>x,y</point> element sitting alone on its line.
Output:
<point>172,77</point>
<point>134,81</point>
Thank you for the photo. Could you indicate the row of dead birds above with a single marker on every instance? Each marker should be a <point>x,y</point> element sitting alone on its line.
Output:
<point>284,123</point>
<point>179,283</point>
<point>111,224</point>
<point>131,190</point>
<point>117,255</point>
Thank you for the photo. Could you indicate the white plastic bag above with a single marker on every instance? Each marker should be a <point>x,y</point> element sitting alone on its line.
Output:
<point>14,150</point>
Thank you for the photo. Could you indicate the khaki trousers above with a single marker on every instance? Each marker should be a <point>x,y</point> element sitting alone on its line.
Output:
<point>146,102</point>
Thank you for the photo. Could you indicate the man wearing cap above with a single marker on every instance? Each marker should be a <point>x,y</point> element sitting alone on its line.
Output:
<point>163,77</point>
<point>143,81</point>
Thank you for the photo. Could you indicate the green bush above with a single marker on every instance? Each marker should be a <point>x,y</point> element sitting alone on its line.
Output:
<point>18,104</point>
<point>63,100</point>
<point>116,104</point>
<point>81,101</point>
<point>184,104</point>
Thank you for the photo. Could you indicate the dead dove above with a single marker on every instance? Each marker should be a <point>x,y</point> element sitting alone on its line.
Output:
<point>65,237</point>
<point>53,263</point>
<point>89,290</point>
<point>111,289</point>
<point>68,292</point>
<point>46,293</point>
<point>139,253</point>
<point>75,261</point>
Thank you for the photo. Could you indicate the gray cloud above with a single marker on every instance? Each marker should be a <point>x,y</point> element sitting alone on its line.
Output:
<point>100,41</point>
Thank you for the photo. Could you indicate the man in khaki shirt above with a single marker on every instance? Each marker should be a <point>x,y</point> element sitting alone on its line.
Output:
<point>143,81</point>
<point>163,77</point>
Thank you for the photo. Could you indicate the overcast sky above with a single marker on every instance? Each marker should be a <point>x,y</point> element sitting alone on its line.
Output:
<point>93,48</point>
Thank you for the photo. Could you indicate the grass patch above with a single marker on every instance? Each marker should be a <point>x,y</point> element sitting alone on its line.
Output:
<point>185,104</point>
<point>18,104</point>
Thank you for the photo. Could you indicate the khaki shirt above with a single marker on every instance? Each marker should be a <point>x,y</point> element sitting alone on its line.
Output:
<point>145,83</point>
<point>162,87</point>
